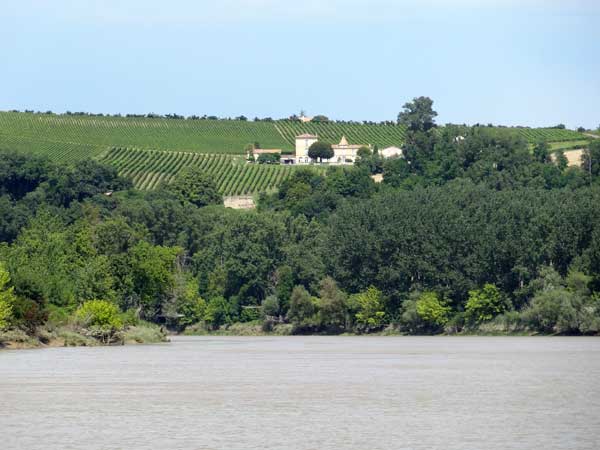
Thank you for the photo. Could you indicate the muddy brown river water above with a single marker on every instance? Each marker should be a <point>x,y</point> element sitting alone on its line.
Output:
<point>290,393</point>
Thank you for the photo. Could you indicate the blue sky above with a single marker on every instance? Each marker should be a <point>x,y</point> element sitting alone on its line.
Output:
<point>528,62</point>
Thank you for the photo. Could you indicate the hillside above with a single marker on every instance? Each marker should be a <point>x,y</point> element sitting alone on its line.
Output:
<point>151,150</point>
<point>149,168</point>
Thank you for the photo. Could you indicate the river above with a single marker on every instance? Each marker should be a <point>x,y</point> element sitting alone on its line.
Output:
<point>289,393</point>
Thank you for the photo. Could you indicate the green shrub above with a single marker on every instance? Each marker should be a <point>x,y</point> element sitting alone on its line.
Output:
<point>130,318</point>
<point>484,304</point>
<point>7,298</point>
<point>217,312</point>
<point>58,316</point>
<point>425,313</point>
<point>371,309</point>
<point>144,333</point>
<point>554,311</point>
<point>99,313</point>
<point>270,306</point>
<point>73,339</point>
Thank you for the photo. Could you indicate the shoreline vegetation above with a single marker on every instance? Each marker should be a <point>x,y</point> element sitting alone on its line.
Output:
<point>146,333</point>
<point>468,232</point>
<point>16,339</point>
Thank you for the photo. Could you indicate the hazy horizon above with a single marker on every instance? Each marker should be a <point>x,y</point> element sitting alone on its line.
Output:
<point>529,63</point>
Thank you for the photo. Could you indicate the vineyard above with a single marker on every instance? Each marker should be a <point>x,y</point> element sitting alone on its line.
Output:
<point>148,169</point>
<point>95,134</point>
<point>152,151</point>
<point>69,137</point>
<point>535,135</point>
<point>380,135</point>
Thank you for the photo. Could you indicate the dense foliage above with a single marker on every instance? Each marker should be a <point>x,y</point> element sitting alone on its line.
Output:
<point>471,231</point>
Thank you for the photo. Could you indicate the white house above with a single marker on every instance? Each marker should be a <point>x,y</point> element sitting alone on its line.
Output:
<point>389,152</point>
<point>303,143</point>
<point>343,153</point>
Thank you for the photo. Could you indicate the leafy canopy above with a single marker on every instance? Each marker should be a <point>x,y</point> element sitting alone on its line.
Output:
<point>484,304</point>
<point>320,150</point>
<point>418,115</point>
<point>99,313</point>
<point>195,186</point>
<point>7,298</point>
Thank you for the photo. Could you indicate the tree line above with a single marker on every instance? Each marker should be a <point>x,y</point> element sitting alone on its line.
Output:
<point>468,232</point>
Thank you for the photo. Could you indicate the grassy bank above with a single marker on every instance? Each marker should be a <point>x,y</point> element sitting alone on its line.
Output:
<point>71,337</point>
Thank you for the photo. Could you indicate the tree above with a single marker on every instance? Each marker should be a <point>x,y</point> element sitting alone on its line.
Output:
<point>320,119</point>
<point>190,305</point>
<point>284,285</point>
<point>541,152</point>
<point>561,160</point>
<point>7,298</point>
<point>332,304</point>
<point>591,159</point>
<point>320,150</point>
<point>99,313</point>
<point>432,309</point>
<point>363,152</point>
<point>268,158</point>
<point>301,309</point>
<point>371,309</point>
<point>424,313</point>
<point>151,277</point>
<point>418,115</point>
<point>270,306</point>
<point>217,313</point>
<point>484,304</point>
<point>195,186</point>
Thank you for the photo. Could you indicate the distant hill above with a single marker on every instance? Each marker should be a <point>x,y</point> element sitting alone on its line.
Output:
<point>139,146</point>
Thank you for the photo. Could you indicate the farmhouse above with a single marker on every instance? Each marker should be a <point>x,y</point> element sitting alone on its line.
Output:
<point>265,151</point>
<point>343,153</point>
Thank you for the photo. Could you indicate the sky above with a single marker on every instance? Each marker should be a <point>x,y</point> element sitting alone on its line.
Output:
<point>526,62</point>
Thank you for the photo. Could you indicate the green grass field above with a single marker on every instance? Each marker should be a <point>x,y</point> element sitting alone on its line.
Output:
<point>569,145</point>
<point>149,168</point>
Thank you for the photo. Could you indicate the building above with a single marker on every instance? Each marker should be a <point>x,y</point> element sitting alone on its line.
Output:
<point>343,153</point>
<point>264,151</point>
<point>303,143</point>
<point>390,152</point>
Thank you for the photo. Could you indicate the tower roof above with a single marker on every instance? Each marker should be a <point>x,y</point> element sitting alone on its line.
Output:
<point>344,141</point>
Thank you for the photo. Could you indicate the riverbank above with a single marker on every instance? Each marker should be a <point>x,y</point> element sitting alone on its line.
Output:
<point>256,329</point>
<point>16,339</point>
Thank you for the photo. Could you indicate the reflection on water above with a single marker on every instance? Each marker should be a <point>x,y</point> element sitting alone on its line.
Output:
<point>289,393</point>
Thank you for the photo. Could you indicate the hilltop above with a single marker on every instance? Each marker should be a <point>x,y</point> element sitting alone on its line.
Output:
<point>152,149</point>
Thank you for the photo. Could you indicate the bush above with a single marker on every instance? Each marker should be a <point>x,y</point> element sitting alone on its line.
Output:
<point>553,311</point>
<point>270,306</point>
<point>130,318</point>
<point>58,316</point>
<point>217,312</point>
<point>371,314</point>
<point>145,333</point>
<point>7,298</point>
<point>426,314</point>
<point>99,313</point>
<point>302,308</point>
<point>484,304</point>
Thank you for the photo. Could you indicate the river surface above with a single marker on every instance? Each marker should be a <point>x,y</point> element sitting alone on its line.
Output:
<point>289,393</point>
